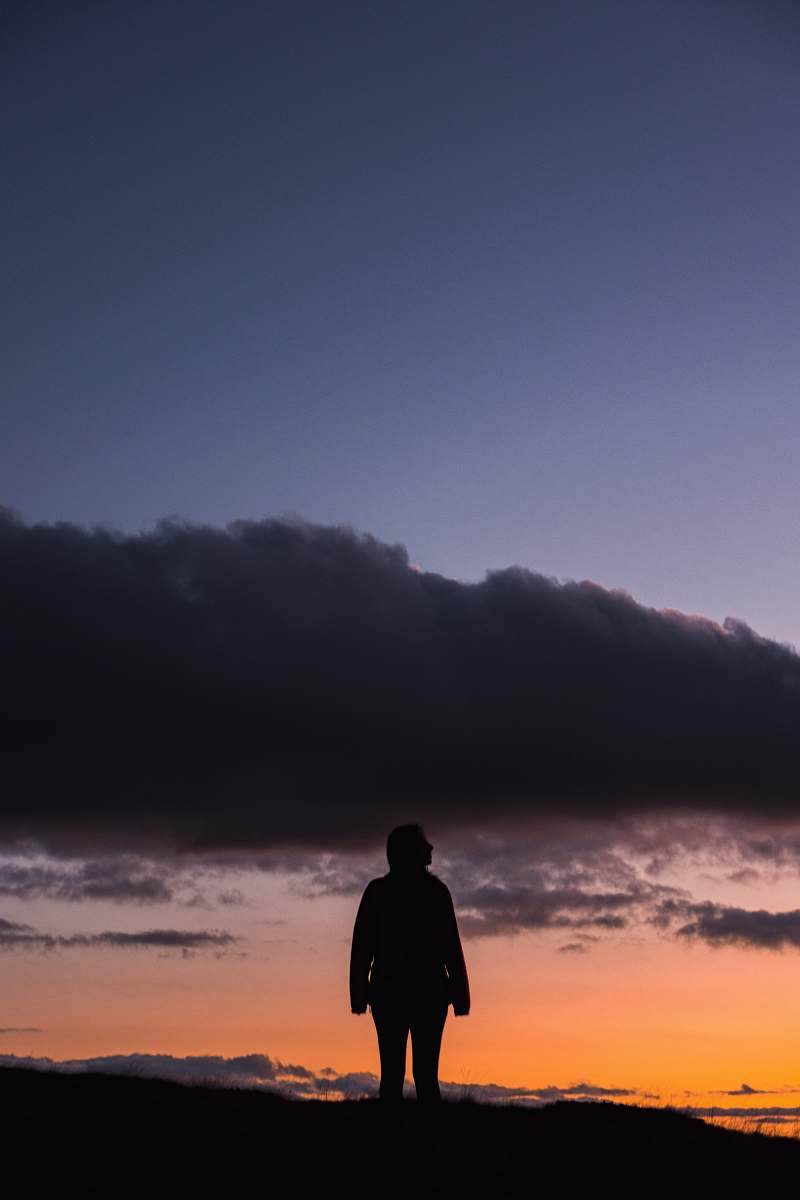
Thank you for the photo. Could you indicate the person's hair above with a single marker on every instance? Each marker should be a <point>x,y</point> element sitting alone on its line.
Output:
<point>402,847</point>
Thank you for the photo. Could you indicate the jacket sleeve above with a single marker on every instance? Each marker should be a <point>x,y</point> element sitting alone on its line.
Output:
<point>454,961</point>
<point>362,952</point>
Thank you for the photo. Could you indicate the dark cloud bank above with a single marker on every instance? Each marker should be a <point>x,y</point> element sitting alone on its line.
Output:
<point>278,683</point>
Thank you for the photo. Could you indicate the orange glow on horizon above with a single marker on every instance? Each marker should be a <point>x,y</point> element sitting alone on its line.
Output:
<point>678,1022</point>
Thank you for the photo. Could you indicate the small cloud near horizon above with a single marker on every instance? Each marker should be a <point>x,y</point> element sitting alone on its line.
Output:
<point>745,1089</point>
<point>294,1081</point>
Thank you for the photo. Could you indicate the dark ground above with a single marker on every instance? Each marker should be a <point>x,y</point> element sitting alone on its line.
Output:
<point>98,1135</point>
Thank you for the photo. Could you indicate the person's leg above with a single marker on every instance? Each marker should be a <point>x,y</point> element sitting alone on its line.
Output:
<point>427,1026</point>
<point>391,1025</point>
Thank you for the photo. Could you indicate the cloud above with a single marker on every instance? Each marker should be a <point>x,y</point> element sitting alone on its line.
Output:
<point>167,938</point>
<point>20,1029</point>
<point>745,1089</point>
<point>500,889</point>
<point>584,880</point>
<point>15,936</point>
<point>726,925</point>
<point>772,1115</point>
<point>491,910</point>
<point>121,880</point>
<point>299,1082</point>
<point>745,875</point>
<point>278,683</point>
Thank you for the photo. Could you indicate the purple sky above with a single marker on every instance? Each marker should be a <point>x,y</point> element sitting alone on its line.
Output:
<point>509,282</point>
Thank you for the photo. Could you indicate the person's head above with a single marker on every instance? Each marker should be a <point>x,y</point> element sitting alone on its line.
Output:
<point>407,849</point>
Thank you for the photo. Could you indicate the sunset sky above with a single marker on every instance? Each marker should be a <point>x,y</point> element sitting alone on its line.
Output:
<point>400,424</point>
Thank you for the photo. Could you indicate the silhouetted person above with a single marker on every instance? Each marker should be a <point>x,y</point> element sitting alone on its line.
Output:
<point>406,964</point>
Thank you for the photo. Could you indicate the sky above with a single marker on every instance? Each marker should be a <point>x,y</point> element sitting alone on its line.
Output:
<point>399,423</point>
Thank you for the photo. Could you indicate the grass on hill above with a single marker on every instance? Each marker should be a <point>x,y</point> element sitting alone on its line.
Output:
<point>113,1136</point>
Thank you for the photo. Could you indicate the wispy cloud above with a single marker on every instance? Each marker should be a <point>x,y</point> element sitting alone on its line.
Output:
<point>769,1115</point>
<point>122,879</point>
<point>503,888</point>
<point>745,1089</point>
<point>726,925</point>
<point>16,936</point>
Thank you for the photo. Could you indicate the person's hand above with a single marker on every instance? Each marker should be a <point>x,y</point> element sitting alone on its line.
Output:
<point>460,1012</point>
<point>359,1012</point>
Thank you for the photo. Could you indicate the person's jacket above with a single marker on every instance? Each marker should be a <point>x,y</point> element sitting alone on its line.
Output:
<point>406,945</point>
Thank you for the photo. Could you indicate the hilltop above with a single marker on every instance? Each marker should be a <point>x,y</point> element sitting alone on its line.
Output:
<point>115,1136</point>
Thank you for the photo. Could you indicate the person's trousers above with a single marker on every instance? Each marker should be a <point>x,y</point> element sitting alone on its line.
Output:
<point>424,1019</point>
